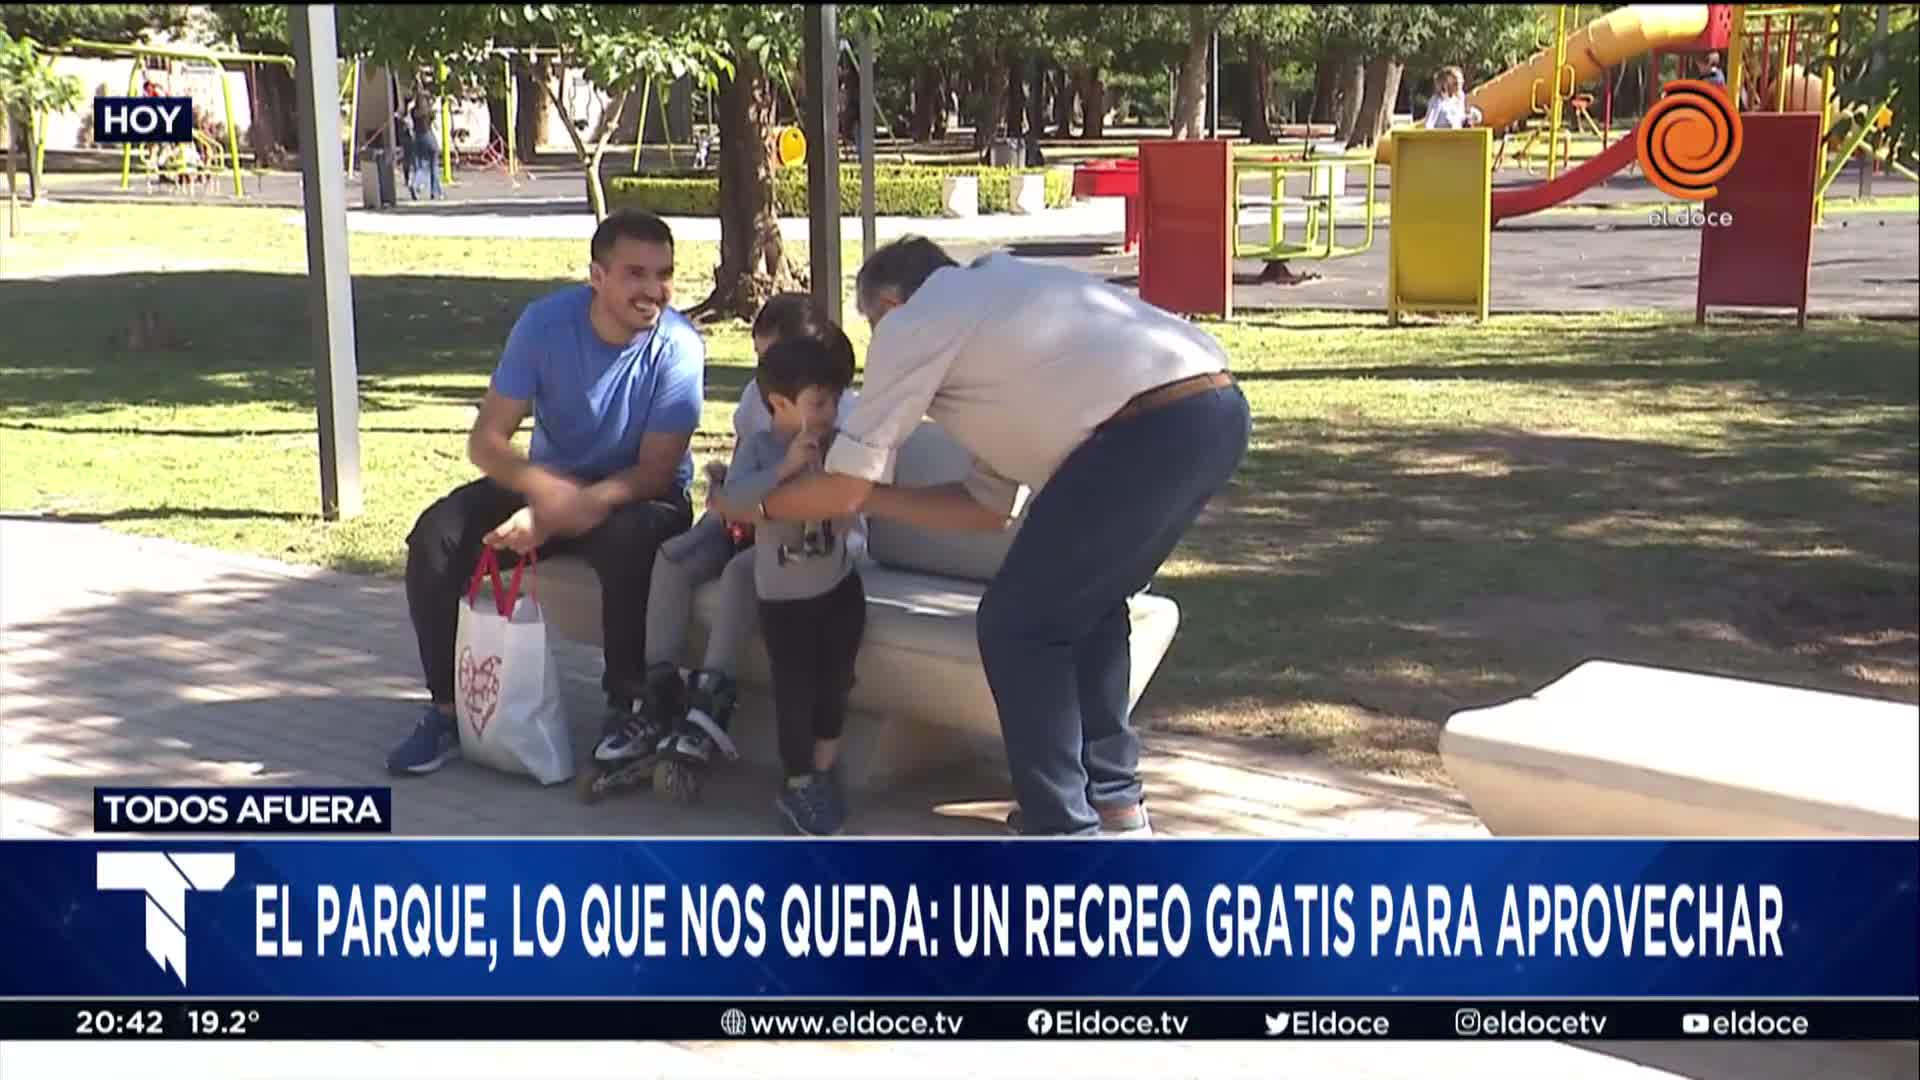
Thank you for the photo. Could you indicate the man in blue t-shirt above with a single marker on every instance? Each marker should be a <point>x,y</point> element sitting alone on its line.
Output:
<point>613,377</point>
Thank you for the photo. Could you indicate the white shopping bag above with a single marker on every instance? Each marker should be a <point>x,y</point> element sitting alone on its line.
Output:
<point>506,687</point>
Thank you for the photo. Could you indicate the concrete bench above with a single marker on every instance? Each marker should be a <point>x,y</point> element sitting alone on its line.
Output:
<point>1614,749</point>
<point>921,702</point>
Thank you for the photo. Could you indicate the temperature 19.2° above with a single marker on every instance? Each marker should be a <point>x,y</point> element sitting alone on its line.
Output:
<point>222,1021</point>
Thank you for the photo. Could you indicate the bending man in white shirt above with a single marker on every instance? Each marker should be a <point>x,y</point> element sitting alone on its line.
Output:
<point>1124,422</point>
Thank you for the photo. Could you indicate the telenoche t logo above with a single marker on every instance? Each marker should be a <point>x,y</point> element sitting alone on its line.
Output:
<point>166,877</point>
<point>118,120</point>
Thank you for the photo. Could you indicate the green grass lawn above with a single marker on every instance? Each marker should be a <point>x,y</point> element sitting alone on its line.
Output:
<point>1430,518</point>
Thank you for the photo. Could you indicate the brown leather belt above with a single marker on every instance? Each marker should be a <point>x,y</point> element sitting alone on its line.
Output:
<point>1169,393</point>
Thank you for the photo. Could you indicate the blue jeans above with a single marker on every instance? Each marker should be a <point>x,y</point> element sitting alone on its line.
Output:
<point>426,168</point>
<point>1053,625</point>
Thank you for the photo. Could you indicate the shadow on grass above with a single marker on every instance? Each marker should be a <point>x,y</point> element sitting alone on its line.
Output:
<point>1360,583</point>
<point>235,337</point>
<point>1372,569</point>
<point>159,513</point>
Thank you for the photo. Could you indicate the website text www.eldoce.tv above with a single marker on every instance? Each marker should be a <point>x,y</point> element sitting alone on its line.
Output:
<point>853,1023</point>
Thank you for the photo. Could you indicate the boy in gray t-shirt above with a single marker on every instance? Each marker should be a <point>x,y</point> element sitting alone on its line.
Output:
<point>680,724</point>
<point>813,609</point>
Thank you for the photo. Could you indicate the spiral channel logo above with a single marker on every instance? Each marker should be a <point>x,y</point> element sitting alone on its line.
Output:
<point>1689,140</point>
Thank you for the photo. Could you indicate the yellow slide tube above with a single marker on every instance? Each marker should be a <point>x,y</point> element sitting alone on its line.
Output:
<point>1608,41</point>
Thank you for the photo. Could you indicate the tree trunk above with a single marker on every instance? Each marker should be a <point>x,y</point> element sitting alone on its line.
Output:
<point>1063,94</point>
<point>609,124</point>
<point>1036,109</point>
<point>1190,95</point>
<point>1349,87</point>
<point>13,180</point>
<point>1093,104</point>
<point>1376,102</point>
<point>943,102</point>
<point>1259,91</point>
<point>596,195</point>
<point>270,116</point>
<point>36,184</point>
<point>1326,76</point>
<point>926,103</point>
<point>986,101</point>
<point>530,127</point>
<point>753,262</point>
<point>497,120</point>
<point>1016,116</point>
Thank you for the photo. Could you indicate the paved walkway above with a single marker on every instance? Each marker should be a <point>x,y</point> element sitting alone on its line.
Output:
<point>132,661</point>
<point>147,661</point>
<point>564,220</point>
<point>1863,261</point>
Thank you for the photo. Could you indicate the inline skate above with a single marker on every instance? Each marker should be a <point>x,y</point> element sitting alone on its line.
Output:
<point>686,757</point>
<point>631,743</point>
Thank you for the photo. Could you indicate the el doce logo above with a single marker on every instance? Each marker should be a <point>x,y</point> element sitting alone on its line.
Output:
<point>1689,140</point>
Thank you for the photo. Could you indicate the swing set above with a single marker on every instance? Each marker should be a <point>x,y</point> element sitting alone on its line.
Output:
<point>208,157</point>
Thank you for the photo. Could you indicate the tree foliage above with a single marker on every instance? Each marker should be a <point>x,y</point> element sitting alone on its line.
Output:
<point>56,24</point>
<point>29,87</point>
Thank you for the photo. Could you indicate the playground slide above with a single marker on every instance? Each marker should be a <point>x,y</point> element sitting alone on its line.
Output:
<point>1513,202</point>
<point>1610,40</point>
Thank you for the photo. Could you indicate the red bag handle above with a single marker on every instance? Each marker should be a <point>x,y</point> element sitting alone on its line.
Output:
<point>505,597</point>
<point>513,589</point>
<point>488,565</point>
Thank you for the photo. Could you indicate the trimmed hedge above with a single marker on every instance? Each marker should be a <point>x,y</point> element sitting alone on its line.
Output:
<point>898,191</point>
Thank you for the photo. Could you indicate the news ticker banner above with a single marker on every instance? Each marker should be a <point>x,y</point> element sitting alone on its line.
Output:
<point>946,1019</point>
<point>866,919</point>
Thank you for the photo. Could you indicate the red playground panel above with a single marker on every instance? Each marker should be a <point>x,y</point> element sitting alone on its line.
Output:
<point>1756,244</point>
<point>1104,179</point>
<point>1186,232</point>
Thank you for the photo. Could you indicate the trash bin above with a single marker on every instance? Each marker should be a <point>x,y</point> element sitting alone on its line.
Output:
<point>383,164</point>
<point>376,180</point>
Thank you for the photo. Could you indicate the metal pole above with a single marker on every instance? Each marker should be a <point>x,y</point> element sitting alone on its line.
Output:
<point>233,135</point>
<point>822,44</point>
<point>330,288</point>
<point>1737,54</point>
<point>446,124</point>
<point>513,117</point>
<point>126,151</point>
<point>869,235</point>
<point>1827,98</point>
<point>391,139</point>
<point>1213,86</point>
<point>1553,122</point>
<point>353,113</point>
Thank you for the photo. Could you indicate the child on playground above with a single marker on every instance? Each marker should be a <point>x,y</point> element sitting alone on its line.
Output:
<point>813,608</point>
<point>1449,108</point>
<point>678,724</point>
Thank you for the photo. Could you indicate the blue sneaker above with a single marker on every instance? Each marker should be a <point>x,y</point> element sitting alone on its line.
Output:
<point>434,742</point>
<point>812,804</point>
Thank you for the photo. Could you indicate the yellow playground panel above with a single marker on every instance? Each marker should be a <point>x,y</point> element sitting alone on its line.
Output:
<point>1439,251</point>
<point>1318,209</point>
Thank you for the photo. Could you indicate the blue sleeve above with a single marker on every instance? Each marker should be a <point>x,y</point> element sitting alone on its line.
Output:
<point>752,477</point>
<point>680,390</point>
<point>517,375</point>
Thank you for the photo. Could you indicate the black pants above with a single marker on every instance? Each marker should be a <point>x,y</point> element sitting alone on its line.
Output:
<point>811,647</point>
<point>445,544</point>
